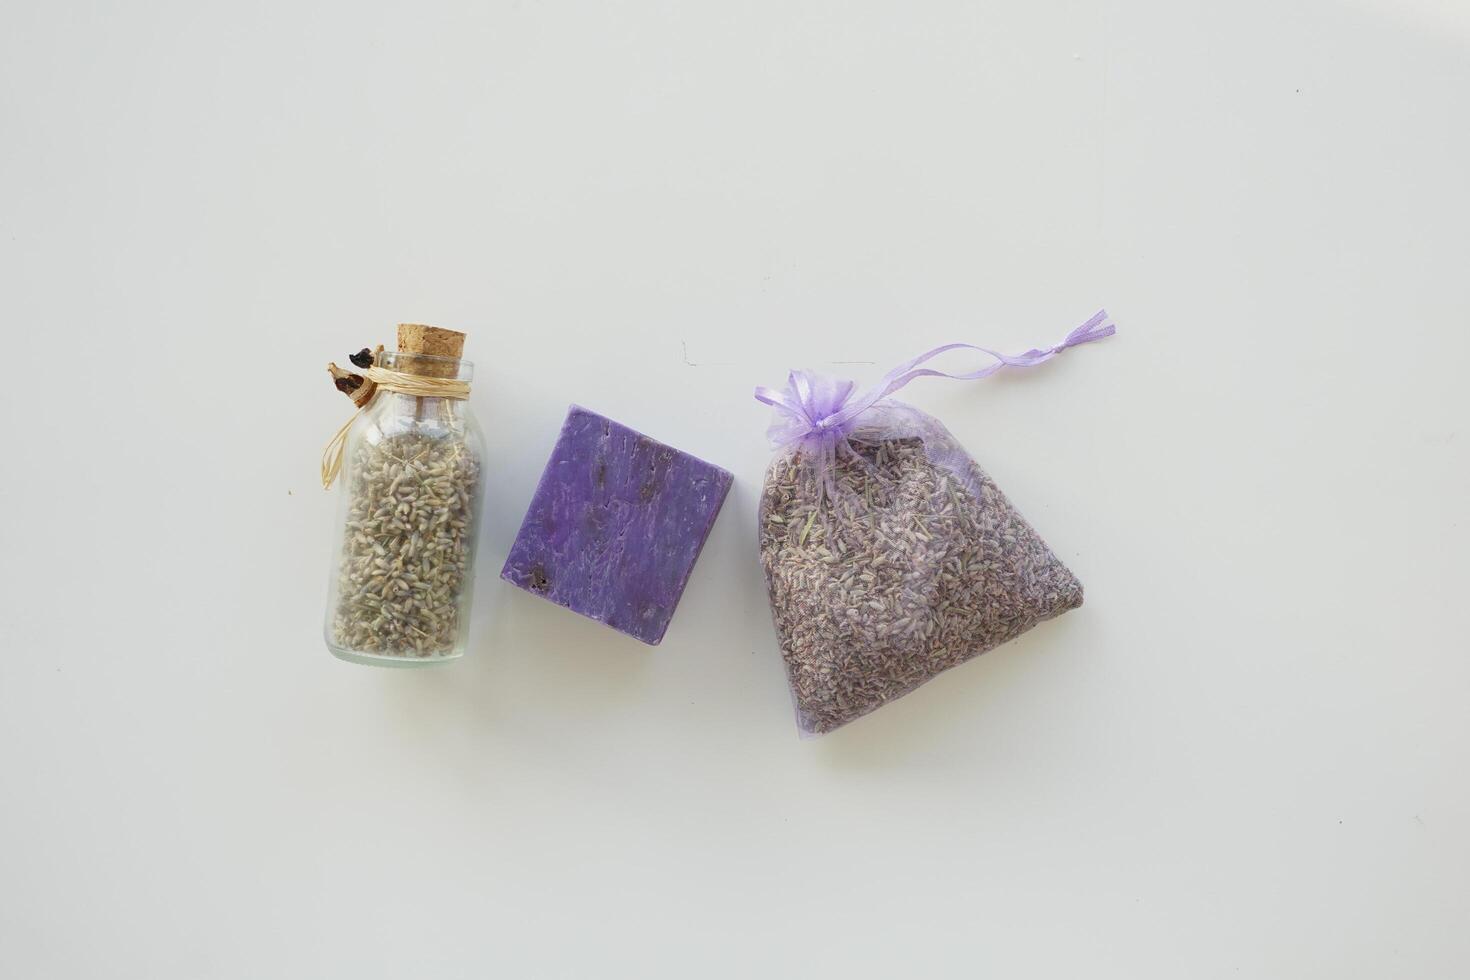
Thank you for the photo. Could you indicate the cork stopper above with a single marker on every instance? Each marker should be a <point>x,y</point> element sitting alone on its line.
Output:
<point>420,338</point>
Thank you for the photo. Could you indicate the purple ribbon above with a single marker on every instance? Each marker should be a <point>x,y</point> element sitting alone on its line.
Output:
<point>816,405</point>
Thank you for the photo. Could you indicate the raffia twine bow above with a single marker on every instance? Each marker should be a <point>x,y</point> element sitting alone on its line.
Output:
<point>382,379</point>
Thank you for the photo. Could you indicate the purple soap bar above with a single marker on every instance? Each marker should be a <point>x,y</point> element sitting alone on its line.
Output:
<point>616,524</point>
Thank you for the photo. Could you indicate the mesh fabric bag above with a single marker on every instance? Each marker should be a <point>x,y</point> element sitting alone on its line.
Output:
<point>889,555</point>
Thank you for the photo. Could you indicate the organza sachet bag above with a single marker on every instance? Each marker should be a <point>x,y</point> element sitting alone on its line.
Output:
<point>889,555</point>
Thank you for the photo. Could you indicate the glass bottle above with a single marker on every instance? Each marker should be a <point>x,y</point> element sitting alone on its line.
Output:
<point>402,575</point>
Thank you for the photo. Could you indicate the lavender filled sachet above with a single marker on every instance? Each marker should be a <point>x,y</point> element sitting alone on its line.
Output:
<point>889,555</point>
<point>615,526</point>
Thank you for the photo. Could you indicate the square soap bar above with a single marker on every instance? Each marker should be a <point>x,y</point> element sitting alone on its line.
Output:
<point>616,525</point>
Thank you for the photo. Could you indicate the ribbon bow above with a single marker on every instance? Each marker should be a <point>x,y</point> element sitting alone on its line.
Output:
<point>817,407</point>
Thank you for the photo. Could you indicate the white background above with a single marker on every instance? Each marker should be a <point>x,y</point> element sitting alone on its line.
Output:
<point>1245,756</point>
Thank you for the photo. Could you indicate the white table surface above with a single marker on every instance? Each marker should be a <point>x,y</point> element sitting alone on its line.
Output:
<point>1245,756</point>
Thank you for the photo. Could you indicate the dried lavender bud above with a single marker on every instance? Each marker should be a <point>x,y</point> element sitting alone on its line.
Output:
<point>363,358</point>
<point>904,571</point>
<point>408,546</point>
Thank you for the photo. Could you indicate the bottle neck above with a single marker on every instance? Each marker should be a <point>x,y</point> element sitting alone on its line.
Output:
<point>426,365</point>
